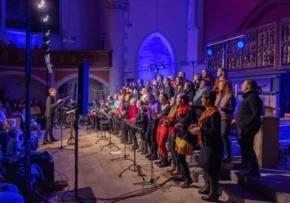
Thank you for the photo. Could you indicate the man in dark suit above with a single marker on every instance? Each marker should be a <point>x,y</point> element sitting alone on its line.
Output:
<point>49,115</point>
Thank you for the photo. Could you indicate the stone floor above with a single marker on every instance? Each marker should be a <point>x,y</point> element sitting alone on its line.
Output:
<point>96,170</point>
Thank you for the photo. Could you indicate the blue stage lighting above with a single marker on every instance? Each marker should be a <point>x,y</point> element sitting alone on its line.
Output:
<point>209,52</point>
<point>240,44</point>
<point>161,67</point>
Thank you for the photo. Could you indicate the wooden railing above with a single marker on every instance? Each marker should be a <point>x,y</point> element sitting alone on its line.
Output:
<point>10,56</point>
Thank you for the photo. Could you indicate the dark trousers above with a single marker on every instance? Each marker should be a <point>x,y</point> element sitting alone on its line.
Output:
<point>151,136</point>
<point>225,131</point>
<point>115,123</point>
<point>174,155</point>
<point>246,141</point>
<point>48,128</point>
<point>184,167</point>
<point>212,183</point>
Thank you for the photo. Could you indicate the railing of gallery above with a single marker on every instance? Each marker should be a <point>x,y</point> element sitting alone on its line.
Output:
<point>11,56</point>
<point>256,48</point>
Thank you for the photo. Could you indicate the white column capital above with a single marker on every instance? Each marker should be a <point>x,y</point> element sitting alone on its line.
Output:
<point>117,4</point>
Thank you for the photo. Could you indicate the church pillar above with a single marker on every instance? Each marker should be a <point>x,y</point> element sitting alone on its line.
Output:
<point>116,42</point>
<point>195,34</point>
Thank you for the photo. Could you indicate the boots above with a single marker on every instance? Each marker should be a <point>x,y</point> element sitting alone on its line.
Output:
<point>165,163</point>
<point>213,195</point>
<point>160,161</point>
<point>206,189</point>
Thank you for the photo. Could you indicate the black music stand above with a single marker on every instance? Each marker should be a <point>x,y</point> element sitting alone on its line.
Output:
<point>103,136</point>
<point>125,156</point>
<point>110,145</point>
<point>61,132</point>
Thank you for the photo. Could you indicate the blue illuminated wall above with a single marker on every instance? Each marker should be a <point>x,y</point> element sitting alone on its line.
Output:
<point>155,50</point>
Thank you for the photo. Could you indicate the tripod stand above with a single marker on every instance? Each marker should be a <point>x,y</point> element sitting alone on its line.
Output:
<point>134,165</point>
<point>153,180</point>
<point>110,145</point>
<point>61,131</point>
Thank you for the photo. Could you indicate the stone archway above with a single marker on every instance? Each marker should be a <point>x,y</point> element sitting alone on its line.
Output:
<point>75,75</point>
<point>98,88</point>
<point>155,50</point>
<point>22,73</point>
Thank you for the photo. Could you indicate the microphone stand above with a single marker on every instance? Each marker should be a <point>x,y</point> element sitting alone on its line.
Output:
<point>61,130</point>
<point>125,156</point>
<point>134,165</point>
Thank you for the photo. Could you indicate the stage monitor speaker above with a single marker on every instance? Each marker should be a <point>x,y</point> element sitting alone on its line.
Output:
<point>83,89</point>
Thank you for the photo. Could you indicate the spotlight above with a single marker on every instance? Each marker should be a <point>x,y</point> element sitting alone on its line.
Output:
<point>48,63</point>
<point>45,19</point>
<point>156,70</point>
<point>41,4</point>
<point>45,48</point>
<point>47,33</point>
<point>45,39</point>
<point>161,67</point>
<point>240,44</point>
<point>209,52</point>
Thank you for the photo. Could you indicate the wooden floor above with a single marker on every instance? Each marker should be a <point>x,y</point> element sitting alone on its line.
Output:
<point>96,170</point>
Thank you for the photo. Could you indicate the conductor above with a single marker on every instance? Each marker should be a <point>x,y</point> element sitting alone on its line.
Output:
<point>49,115</point>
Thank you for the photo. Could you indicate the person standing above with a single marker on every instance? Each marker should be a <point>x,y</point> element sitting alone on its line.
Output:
<point>49,115</point>
<point>226,104</point>
<point>248,122</point>
<point>210,141</point>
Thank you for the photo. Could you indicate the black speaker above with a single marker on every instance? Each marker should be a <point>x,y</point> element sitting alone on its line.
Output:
<point>83,88</point>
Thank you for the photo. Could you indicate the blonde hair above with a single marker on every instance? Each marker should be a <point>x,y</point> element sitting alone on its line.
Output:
<point>51,90</point>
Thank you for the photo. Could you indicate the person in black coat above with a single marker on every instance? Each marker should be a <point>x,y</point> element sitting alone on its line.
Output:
<point>210,140</point>
<point>142,122</point>
<point>185,116</point>
<point>168,89</point>
<point>51,105</point>
<point>248,122</point>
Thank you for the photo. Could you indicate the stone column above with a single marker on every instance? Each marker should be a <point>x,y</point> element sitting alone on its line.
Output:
<point>116,42</point>
<point>194,33</point>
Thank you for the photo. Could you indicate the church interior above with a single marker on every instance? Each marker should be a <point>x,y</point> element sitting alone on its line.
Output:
<point>145,101</point>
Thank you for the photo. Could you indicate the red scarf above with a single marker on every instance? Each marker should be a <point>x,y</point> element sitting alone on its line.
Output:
<point>182,110</point>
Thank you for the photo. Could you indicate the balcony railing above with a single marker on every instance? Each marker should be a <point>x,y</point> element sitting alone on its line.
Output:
<point>10,56</point>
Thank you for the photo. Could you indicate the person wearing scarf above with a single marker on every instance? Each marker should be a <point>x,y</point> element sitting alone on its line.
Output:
<point>210,141</point>
<point>185,116</point>
<point>207,75</point>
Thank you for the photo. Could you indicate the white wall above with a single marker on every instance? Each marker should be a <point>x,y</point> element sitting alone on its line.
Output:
<point>168,17</point>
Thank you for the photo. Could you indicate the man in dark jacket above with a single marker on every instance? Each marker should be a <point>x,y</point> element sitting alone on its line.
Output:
<point>49,115</point>
<point>248,122</point>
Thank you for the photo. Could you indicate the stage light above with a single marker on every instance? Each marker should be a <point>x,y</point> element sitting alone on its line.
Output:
<point>209,52</point>
<point>47,33</point>
<point>48,63</point>
<point>45,19</point>
<point>46,48</point>
<point>156,70</point>
<point>161,67</point>
<point>46,40</point>
<point>41,4</point>
<point>240,44</point>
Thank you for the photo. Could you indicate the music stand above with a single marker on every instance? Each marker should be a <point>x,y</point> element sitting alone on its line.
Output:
<point>134,165</point>
<point>110,145</point>
<point>61,129</point>
<point>125,156</point>
<point>103,136</point>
